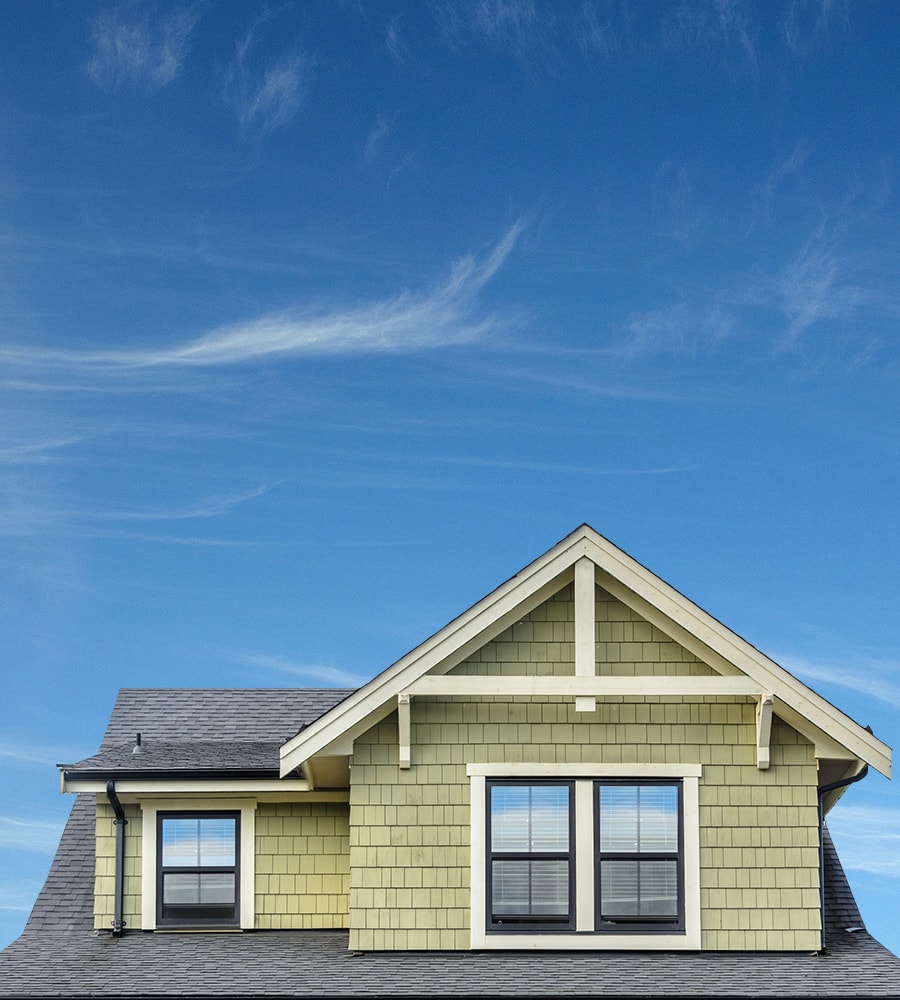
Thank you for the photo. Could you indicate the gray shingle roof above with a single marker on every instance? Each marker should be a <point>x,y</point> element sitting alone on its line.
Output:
<point>205,729</point>
<point>59,954</point>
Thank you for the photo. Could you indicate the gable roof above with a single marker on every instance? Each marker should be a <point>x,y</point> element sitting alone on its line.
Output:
<point>59,954</point>
<point>835,734</point>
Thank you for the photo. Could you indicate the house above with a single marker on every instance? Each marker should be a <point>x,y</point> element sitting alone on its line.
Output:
<point>583,783</point>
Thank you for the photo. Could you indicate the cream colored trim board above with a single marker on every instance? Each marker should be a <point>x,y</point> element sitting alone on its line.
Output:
<point>639,589</point>
<point>585,938</point>
<point>520,770</point>
<point>191,787</point>
<point>500,685</point>
<point>149,809</point>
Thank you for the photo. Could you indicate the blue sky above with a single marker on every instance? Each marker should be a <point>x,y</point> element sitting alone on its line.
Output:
<point>320,320</point>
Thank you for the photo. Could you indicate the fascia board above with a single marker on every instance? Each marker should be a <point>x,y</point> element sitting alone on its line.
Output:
<point>489,617</point>
<point>150,786</point>
<point>627,579</point>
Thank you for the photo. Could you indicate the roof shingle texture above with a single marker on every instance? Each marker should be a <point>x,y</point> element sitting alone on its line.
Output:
<point>195,729</point>
<point>60,955</point>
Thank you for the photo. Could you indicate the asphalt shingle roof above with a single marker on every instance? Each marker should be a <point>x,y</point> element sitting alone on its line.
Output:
<point>60,954</point>
<point>205,729</point>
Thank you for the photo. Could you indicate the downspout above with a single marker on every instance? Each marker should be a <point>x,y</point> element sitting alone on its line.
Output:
<point>821,794</point>
<point>120,824</point>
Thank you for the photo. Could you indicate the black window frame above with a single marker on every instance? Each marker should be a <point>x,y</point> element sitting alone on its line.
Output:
<point>233,919</point>
<point>638,924</point>
<point>527,923</point>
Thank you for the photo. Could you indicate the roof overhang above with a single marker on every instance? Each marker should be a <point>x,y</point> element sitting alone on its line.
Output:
<point>835,735</point>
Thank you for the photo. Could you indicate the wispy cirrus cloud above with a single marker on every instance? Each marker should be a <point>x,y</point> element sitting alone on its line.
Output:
<point>817,283</point>
<point>716,27</point>
<point>266,92</point>
<point>313,673</point>
<point>519,26</point>
<point>140,45</point>
<point>22,753</point>
<point>877,678</point>
<point>868,838</point>
<point>29,835</point>
<point>379,133</point>
<point>681,328</point>
<point>445,316</point>
<point>807,22</point>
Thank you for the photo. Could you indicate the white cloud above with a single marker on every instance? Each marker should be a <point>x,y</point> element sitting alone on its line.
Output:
<point>864,674</point>
<point>265,93</point>
<point>677,329</point>
<point>314,673</point>
<point>868,838</point>
<point>28,835</point>
<point>815,285</point>
<point>20,752</point>
<point>406,322</point>
<point>135,44</point>
<point>378,134</point>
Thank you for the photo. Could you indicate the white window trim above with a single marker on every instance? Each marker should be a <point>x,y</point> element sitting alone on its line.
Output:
<point>149,809</point>
<point>585,938</point>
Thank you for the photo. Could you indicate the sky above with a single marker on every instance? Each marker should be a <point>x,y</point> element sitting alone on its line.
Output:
<point>319,320</point>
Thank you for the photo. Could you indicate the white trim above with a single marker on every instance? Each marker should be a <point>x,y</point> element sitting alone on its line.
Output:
<point>519,770</point>
<point>585,629</point>
<point>585,938</point>
<point>640,590</point>
<point>481,685</point>
<point>188,786</point>
<point>149,852</point>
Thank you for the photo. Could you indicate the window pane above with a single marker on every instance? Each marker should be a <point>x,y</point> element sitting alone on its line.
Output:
<point>639,889</point>
<point>619,888</point>
<point>180,842</point>
<point>532,818</point>
<point>618,818</point>
<point>181,888</point>
<point>638,818</point>
<point>216,887</point>
<point>659,889</point>
<point>530,888</point>
<point>658,817</point>
<point>217,842</point>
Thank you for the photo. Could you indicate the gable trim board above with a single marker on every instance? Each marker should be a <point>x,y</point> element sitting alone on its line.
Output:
<point>833,733</point>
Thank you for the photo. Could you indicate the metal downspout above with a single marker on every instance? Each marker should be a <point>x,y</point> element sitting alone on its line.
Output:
<point>821,792</point>
<point>120,824</point>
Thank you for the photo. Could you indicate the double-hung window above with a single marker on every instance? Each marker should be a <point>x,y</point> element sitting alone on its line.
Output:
<point>585,855</point>
<point>530,846</point>
<point>639,859</point>
<point>198,883</point>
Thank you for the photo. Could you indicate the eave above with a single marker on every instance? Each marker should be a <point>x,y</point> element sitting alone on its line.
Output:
<point>834,734</point>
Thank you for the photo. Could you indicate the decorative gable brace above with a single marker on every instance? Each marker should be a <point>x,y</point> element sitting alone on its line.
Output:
<point>588,559</point>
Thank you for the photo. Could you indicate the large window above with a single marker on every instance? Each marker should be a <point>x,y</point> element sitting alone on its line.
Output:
<point>639,858</point>
<point>197,878</point>
<point>585,856</point>
<point>530,860</point>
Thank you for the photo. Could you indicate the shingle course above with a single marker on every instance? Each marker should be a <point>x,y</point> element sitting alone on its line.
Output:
<point>176,715</point>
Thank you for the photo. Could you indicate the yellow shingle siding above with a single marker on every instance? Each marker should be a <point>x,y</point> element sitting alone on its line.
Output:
<point>302,865</point>
<point>543,644</point>
<point>105,868</point>
<point>409,834</point>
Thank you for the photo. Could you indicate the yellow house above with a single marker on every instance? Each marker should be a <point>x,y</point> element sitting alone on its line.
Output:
<point>583,762</point>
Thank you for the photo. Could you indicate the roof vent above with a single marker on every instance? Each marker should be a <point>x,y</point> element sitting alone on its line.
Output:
<point>137,744</point>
